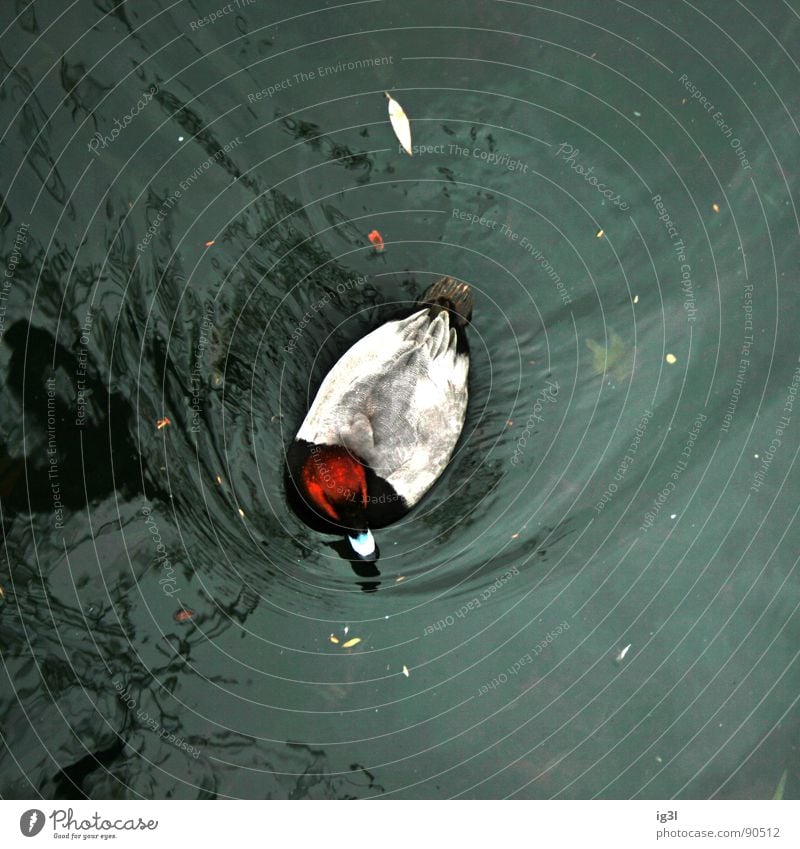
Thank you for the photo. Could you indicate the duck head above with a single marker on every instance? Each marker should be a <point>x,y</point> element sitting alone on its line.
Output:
<point>333,482</point>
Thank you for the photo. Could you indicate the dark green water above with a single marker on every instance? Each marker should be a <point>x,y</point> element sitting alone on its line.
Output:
<point>600,596</point>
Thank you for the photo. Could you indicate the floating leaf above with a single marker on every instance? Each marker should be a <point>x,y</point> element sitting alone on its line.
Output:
<point>210,242</point>
<point>405,671</point>
<point>334,639</point>
<point>162,423</point>
<point>353,641</point>
<point>615,358</point>
<point>400,124</point>
<point>376,239</point>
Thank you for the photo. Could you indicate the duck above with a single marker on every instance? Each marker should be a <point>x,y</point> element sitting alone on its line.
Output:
<point>385,421</point>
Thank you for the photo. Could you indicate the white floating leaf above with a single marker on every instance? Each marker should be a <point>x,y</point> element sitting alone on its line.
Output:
<point>400,125</point>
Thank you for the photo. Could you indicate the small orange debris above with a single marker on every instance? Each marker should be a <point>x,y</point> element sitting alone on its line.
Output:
<point>184,615</point>
<point>210,243</point>
<point>162,423</point>
<point>376,239</point>
<point>354,641</point>
<point>715,207</point>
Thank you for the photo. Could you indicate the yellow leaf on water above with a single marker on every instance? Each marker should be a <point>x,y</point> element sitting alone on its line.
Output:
<point>333,639</point>
<point>779,790</point>
<point>352,642</point>
<point>400,124</point>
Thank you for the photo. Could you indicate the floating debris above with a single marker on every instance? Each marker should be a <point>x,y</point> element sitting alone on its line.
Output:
<point>622,652</point>
<point>715,207</point>
<point>600,234</point>
<point>210,243</point>
<point>671,359</point>
<point>615,358</point>
<point>405,671</point>
<point>779,790</point>
<point>514,536</point>
<point>334,639</point>
<point>353,641</point>
<point>241,512</point>
<point>376,239</point>
<point>400,124</point>
<point>636,299</point>
<point>162,423</point>
<point>399,578</point>
<point>346,629</point>
<point>183,615</point>
<point>218,479</point>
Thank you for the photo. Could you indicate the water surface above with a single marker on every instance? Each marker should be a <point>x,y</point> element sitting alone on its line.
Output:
<point>599,598</point>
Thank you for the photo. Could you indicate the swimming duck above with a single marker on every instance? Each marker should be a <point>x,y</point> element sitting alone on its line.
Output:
<point>385,421</point>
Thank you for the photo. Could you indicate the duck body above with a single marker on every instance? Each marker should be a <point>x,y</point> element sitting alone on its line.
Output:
<point>385,421</point>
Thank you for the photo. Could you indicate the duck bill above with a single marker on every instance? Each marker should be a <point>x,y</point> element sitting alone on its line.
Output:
<point>364,545</point>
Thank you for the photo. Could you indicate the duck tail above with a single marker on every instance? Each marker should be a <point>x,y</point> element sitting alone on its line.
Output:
<point>451,295</point>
